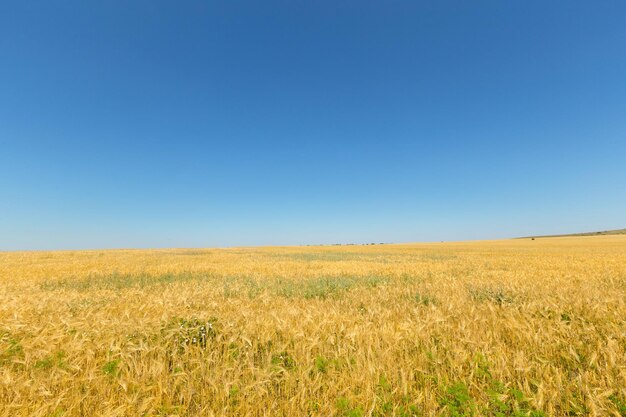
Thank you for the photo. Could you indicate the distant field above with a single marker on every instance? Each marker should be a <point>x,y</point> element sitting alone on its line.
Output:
<point>494,328</point>
<point>601,233</point>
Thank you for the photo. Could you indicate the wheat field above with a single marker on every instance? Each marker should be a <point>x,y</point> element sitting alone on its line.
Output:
<point>492,328</point>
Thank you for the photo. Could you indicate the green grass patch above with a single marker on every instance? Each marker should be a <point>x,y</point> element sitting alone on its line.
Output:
<point>457,402</point>
<point>321,364</point>
<point>111,368</point>
<point>192,332</point>
<point>10,348</point>
<point>502,401</point>
<point>323,287</point>
<point>491,294</point>
<point>56,360</point>
<point>424,299</point>
<point>346,409</point>
<point>283,360</point>
<point>117,281</point>
<point>619,403</point>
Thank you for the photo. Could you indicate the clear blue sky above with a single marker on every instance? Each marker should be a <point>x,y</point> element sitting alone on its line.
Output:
<point>185,124</point>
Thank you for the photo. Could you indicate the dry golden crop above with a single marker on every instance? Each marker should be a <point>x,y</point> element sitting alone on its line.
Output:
<point>494,328</point>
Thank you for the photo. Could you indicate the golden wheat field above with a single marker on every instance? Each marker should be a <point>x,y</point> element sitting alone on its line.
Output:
<point>493,328</point>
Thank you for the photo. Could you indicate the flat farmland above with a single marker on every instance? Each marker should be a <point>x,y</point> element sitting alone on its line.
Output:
<point>488,328</point>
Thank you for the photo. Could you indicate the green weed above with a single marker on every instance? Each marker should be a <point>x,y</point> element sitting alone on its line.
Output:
<point>494,295</point>
<point>56,360</point>
<point>345,409</point>
<point>283,360</point>
<point>111,368</point>
<point>425,299</point>
<point>620,404</point>
<point>457,401</point>
<point>10,349</point>
<point>321,364</point>
<point>117,281</point>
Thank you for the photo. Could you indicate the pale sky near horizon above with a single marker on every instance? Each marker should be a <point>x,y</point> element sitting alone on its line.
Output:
<point>204,124</point>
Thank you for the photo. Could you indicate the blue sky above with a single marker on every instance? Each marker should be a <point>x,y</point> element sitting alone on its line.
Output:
<point>197,124</point>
